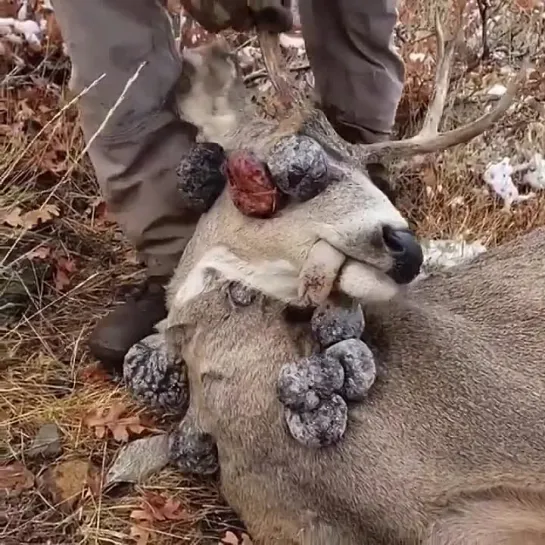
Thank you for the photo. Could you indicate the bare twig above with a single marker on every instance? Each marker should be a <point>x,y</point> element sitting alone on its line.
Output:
<point>262,72</point>
<point>483,6</point>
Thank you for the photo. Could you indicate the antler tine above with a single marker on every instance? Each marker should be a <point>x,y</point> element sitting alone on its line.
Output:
<point>269,43</point>
<point>442,78</point>
<point>429,140</point>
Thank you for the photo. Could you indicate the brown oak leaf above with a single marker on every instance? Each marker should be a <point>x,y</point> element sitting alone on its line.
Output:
<point>41,252</point>
<point>28,220</point>
<point>102,420</point>
<point>153,508</point>
<point>12,217</point>
<point>64,268</point>
<point>141,533</point>
<point>231,539</point>
<point>15,478</point>
<point>156,508</point>
<point>40,215</point>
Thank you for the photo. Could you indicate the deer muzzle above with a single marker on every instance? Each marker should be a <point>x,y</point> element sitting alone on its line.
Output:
<point>406,253</point>
<point>327,268</point>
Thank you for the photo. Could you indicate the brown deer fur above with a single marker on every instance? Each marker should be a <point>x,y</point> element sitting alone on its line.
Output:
<point>449,446</point>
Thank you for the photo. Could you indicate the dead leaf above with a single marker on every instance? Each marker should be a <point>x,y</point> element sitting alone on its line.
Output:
<point>15,478</point>
<point>67,481</point>
<point>65,267</point>
<point>231,539</point>
<point>173,510</point>
<point>42,252</point>
<point>24,111</point>
<point>141,534</point>
<point>41,215</point>
<point>94,374</point>
<point>102,420</point>
<point>52,29</point>
<point>528,5</point>
<point>142,514</point>
<point>139,459</point>
<point>156,508</point>
<point>28,220</point>
<point>12,217</point>
<point>100,215</point>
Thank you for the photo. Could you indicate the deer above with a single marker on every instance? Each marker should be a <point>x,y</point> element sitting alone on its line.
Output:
<point>446,447</point>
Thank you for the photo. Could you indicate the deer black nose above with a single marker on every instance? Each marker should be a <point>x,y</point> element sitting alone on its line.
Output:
<point>406,251</point>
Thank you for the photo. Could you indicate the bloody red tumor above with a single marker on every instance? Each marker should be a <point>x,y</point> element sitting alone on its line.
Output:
<point>250,185</point>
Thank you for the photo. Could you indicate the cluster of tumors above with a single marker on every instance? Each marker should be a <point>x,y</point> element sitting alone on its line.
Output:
<point>296,168</point>
<point>314,391</point>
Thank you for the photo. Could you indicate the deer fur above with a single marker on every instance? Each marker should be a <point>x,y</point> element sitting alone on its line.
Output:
<point>449,446</point>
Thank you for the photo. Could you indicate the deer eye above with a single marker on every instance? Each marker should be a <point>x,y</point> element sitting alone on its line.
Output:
<point>240,295</point>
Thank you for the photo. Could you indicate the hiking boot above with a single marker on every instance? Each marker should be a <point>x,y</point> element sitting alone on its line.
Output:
<point>127,324</point>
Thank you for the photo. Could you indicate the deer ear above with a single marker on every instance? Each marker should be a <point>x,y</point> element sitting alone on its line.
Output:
<point>219,48</point>
<point>193,58</point>
<point>176,337</point>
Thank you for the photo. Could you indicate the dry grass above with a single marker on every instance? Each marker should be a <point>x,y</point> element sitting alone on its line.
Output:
<point>61,276</point>
<point>56,280</point>
<point>445,196</point>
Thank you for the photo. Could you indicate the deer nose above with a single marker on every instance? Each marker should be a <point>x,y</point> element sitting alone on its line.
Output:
<point>406,251</point>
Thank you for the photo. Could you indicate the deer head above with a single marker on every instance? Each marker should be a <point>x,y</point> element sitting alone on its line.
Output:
<point>348,236</point>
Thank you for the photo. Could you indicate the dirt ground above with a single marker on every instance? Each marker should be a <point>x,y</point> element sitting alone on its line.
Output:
<point>64,263</point>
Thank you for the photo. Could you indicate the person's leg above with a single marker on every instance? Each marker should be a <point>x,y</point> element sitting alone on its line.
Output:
<point>359,76</point>
<point>136,154</point>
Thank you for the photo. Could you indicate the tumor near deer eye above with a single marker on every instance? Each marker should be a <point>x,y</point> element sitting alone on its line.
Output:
<point>299,167</point>
<point>201,176</point>
<point>251,186</point>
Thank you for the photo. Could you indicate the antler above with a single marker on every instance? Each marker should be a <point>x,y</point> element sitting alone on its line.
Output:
<point>429,140</point>
<point>281,79</point>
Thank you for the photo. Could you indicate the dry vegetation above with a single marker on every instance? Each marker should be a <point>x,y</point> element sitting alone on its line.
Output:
<point>63,263</point>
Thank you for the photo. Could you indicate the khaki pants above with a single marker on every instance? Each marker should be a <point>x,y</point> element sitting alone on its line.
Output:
<point>358,76</point>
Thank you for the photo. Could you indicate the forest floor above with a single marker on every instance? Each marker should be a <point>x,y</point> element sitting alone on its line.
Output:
<point>64,264</point>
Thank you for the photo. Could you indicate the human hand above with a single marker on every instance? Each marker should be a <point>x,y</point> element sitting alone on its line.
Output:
<point>240,15</point>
